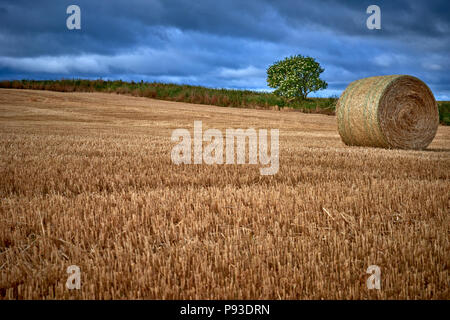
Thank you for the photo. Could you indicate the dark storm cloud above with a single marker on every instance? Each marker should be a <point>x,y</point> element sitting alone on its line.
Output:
<point>224,43</point>
<point>400,18</point>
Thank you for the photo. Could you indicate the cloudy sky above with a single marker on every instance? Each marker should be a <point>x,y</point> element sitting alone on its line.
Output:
<point>224,43</point>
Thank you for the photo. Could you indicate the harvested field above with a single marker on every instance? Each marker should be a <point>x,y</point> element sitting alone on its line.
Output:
<point>86,179</point>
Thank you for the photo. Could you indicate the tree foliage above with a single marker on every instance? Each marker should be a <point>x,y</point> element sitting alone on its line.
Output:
<point>295,77</point>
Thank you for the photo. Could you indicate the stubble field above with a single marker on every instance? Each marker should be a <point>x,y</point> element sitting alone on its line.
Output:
<point>86,179</point>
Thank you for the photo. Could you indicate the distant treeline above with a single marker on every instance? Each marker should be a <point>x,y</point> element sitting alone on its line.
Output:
<point>181,93</point>
<point>194,94</point>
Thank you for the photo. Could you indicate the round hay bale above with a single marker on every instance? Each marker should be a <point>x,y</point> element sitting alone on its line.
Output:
<point>397,111</point>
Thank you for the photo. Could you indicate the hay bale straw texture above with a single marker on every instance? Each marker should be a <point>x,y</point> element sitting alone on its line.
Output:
<point>397,111</point>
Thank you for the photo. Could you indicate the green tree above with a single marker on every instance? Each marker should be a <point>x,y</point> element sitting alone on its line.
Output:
<point>295,77</point>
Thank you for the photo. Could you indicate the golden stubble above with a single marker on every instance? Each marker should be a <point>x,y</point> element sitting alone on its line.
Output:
<point>86,179</point>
